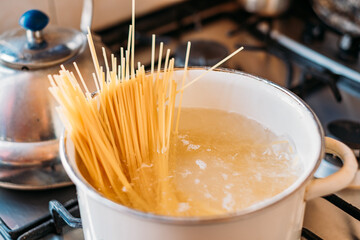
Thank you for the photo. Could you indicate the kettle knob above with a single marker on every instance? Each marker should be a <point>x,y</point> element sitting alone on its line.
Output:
<point>33,21</point>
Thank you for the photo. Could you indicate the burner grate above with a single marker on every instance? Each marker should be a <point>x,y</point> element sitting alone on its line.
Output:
<point>52,223</point>
<point>309,235</point>
<point>343,205</point>
<point>313,76</point>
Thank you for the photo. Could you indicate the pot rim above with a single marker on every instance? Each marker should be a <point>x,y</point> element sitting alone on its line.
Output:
<point>80,182</point>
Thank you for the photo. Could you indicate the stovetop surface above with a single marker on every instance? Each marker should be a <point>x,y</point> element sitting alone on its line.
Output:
<point>217,23</point>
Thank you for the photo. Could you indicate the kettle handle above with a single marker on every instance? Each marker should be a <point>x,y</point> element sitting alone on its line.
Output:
<point>87,15</point>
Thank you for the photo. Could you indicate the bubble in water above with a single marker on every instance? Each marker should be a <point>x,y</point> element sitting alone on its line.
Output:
<point>202,165</point>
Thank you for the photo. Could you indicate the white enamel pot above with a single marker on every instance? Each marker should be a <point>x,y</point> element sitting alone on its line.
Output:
<point>276,218</point>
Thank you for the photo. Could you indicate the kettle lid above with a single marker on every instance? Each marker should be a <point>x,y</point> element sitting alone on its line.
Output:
<point>34,47</point>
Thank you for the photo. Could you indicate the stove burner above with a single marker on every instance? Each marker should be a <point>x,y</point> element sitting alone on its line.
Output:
<point>347,131</point>
<point>349,48</point>
<point>34,178</point>
<point>313,32</point>
<point>203,53</point>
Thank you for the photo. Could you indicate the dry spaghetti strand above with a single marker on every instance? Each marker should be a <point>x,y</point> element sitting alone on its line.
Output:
<point>122,135</point>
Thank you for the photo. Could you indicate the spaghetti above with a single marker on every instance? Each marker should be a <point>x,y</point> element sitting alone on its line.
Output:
<point>122,135</point>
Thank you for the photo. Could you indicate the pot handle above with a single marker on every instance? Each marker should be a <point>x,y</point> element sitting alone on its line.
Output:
<point>338,180</point>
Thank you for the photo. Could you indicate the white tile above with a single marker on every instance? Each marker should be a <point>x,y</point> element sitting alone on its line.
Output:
<point>106,12</point>
<point>68,12</point>
<point>10,11</point>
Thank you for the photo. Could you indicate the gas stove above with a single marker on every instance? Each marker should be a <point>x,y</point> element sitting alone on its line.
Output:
<point>294,50</point>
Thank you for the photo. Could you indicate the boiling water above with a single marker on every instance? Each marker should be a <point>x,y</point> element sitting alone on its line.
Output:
<point>228,162</point>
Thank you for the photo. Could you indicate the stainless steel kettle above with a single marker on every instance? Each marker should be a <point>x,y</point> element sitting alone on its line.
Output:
<point>29,125</point>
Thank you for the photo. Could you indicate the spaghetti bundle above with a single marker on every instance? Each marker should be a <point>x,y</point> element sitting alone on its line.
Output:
<point>122,134</point>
